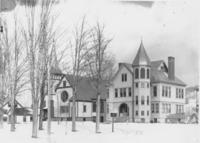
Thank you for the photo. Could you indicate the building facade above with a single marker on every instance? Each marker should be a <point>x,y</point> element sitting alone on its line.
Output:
<point>61,99</point>
<point>145,91</point>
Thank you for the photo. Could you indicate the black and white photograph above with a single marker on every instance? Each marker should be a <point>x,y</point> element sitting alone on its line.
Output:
<point>99,71</point>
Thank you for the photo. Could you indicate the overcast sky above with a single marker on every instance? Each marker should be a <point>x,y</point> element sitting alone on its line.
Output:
<point>168,28</point>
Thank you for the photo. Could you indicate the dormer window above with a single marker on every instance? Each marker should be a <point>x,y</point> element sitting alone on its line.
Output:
<point>124,77</point>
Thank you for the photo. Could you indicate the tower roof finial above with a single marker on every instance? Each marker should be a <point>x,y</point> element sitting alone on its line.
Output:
<point>141,56</point>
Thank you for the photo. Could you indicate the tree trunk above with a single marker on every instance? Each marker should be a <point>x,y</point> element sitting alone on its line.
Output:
<point>35,120</point>
<point>49,100</point>
<point>98,114</point>
<point>42,96</point>
<point>41,118</point>
<point>74,112</point>
<point>12,127</point>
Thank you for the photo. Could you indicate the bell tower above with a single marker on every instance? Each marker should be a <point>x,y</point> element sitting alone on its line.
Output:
<point>141,85</point>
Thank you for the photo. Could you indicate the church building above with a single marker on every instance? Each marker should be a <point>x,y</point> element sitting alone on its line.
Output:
<point>62,92</point>
<point>145,91</point>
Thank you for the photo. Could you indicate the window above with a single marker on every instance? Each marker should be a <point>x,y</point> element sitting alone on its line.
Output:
<point>64,96</point>
<point>84,108</point>
<point>163,91</point>
<point>136,84</point>
<point>177,108</point>
<point>64,84</point>
<point>169,92</point>
<point>142,113</point>
<point>155,91</point>
<point>142,100</point>
<point>176,92</point>
<point>1,29</point>
<point>136,113</point>
<point>142,73</point>
<point>152,108</point>
<point>169,108</point>
<point>166,91</point>
<point>147,100</point>
<point>124,89</point>
<point>136,73</point>
<point>182,93</point>
<point>101,107</point>
<point>136,100</point>
<point>64,109</point>
<point>147,85</point>
<point>179,93</point>
<point>163,108</point>
<point>116,92</point>
<point>121,92</point>
<point>157,107</point>
<point>124,77</point>
<point>147,113</point>
<point>129,91</point>
<point>148,73</point>
<point>94,106</point>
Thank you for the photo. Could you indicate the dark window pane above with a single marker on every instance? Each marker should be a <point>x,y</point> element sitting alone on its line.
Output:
<point>155,91</point>
<point>136,100</point>
<point>116,92</point>
<point>129,91</point>
<point>142,73</point>
<point>136,73</point>
<point>94,106</point>
<point>147,73</point>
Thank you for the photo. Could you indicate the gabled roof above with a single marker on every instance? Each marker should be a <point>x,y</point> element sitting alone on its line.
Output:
<point>156,64</point>
<point>7,101</point>
<point>85,90</point>
<point>141,57</point>
<point>158,75</point>
<point>126,65</point>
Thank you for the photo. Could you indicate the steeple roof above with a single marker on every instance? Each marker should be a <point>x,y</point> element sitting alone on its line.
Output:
<point>55,64</point>
<point>141,57</point>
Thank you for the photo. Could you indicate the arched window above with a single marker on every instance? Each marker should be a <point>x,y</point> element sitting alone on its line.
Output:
<point>64,96</point>
<point>147,73</point>
<point>142,73</point>
<point>136,73</point>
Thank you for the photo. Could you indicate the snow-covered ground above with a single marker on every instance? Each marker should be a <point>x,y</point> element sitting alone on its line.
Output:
<point>124,133</point>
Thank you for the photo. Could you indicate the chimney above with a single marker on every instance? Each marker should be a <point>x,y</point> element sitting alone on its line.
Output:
<point>171,68</point>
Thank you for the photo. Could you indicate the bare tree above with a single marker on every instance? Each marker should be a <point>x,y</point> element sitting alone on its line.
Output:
<point>38,42</point>
<point>14,67</point>
<point>17,72</point>
<point>99,64</point>
<point>80,49</point>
